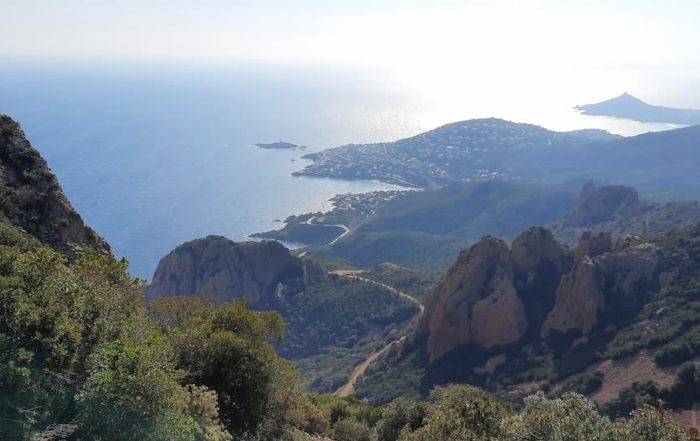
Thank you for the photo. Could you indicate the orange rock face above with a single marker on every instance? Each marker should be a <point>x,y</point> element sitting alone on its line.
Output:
<point>476,303</point>
<point>491,296</point>
<point>579,297</point>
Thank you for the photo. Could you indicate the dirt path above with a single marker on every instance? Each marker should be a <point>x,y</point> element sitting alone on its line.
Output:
<point>359,371</point>
<point>355,274</point>
<point>361,368</point>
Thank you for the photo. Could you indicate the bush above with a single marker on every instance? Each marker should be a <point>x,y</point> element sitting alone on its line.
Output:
<point>401,414</point>
<point>350,430</point>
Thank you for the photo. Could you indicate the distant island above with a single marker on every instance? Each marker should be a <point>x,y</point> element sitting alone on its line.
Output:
<point>628,107</point>
<point>281,145</point>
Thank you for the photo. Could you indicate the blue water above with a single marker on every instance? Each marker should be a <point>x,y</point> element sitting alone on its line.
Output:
<point>152,157</point>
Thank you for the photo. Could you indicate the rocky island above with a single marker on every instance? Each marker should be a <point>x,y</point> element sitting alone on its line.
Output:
<point>280,145</point>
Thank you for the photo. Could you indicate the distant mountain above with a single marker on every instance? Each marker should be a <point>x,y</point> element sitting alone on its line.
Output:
<point>617,209</point>
<point>32,199</point>
<point>660,164</point>
<point>628,107</point>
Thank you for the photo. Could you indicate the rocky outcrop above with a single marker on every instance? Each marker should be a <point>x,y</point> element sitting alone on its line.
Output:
<point>483,297</point>
<point>618,211</point>
<point>597,204</point>
<point>33,200</point>
<point>226,270</point>
<point>494,296</point>
<point>591,245</point>
<point>603,281</point>
<point>534,247</point>
<point>579,297</point>
<point>476,302</point>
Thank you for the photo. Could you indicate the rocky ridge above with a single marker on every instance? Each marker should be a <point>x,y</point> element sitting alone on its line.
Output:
<point>32,198</point>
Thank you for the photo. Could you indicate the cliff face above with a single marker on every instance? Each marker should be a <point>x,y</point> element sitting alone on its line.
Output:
<point>482,299</point>
<point>226,270</point>
<point>493,296</point>
<point>33,200</point>
<point>476,303</point>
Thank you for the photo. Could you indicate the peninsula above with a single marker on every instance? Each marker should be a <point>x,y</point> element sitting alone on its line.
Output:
<point>627,106</point>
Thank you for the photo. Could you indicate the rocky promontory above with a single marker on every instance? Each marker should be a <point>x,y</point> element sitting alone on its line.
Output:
<point>226,270</point>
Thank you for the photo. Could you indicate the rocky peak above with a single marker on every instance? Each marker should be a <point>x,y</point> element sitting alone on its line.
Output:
<point>533,247</point>
<point>476,303</point>
<point>597,204</point>
<point>32,198</point>
<point>226,270</point>
<point>592,245</point>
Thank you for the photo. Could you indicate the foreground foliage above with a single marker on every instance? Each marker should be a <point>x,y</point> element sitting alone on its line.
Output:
<point>82,358</point>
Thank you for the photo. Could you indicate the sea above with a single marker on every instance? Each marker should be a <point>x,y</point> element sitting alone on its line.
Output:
<point>154,155</point>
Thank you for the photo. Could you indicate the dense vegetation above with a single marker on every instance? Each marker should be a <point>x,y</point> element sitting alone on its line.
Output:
<point>334,311</point>
<point>336,322</point>
<point>457,413</point>
<point>82,357</point>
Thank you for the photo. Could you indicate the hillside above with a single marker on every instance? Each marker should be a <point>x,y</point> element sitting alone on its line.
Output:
<point>32,198</point>
<point>329,319</point>
<point>629,107</point>
<point>429,227</point>
<point>537,314</point>
<point>471,151</point>
<point>618,210</point>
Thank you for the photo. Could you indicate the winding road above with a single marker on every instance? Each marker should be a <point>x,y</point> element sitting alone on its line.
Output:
<point>360,369</point>
<point>345,232</point>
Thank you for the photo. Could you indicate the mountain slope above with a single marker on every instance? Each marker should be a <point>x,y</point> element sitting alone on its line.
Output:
<point>32,198</point>
<point>618,210</point>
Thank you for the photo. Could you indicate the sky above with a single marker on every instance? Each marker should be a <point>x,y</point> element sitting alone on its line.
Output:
<point>598,47</point>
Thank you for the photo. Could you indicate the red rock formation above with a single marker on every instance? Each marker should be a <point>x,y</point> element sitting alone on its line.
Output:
<point>476,303</point>
<point>579,297</point>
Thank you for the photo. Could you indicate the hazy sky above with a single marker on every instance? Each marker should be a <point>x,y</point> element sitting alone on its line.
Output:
<point>431,45</point>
